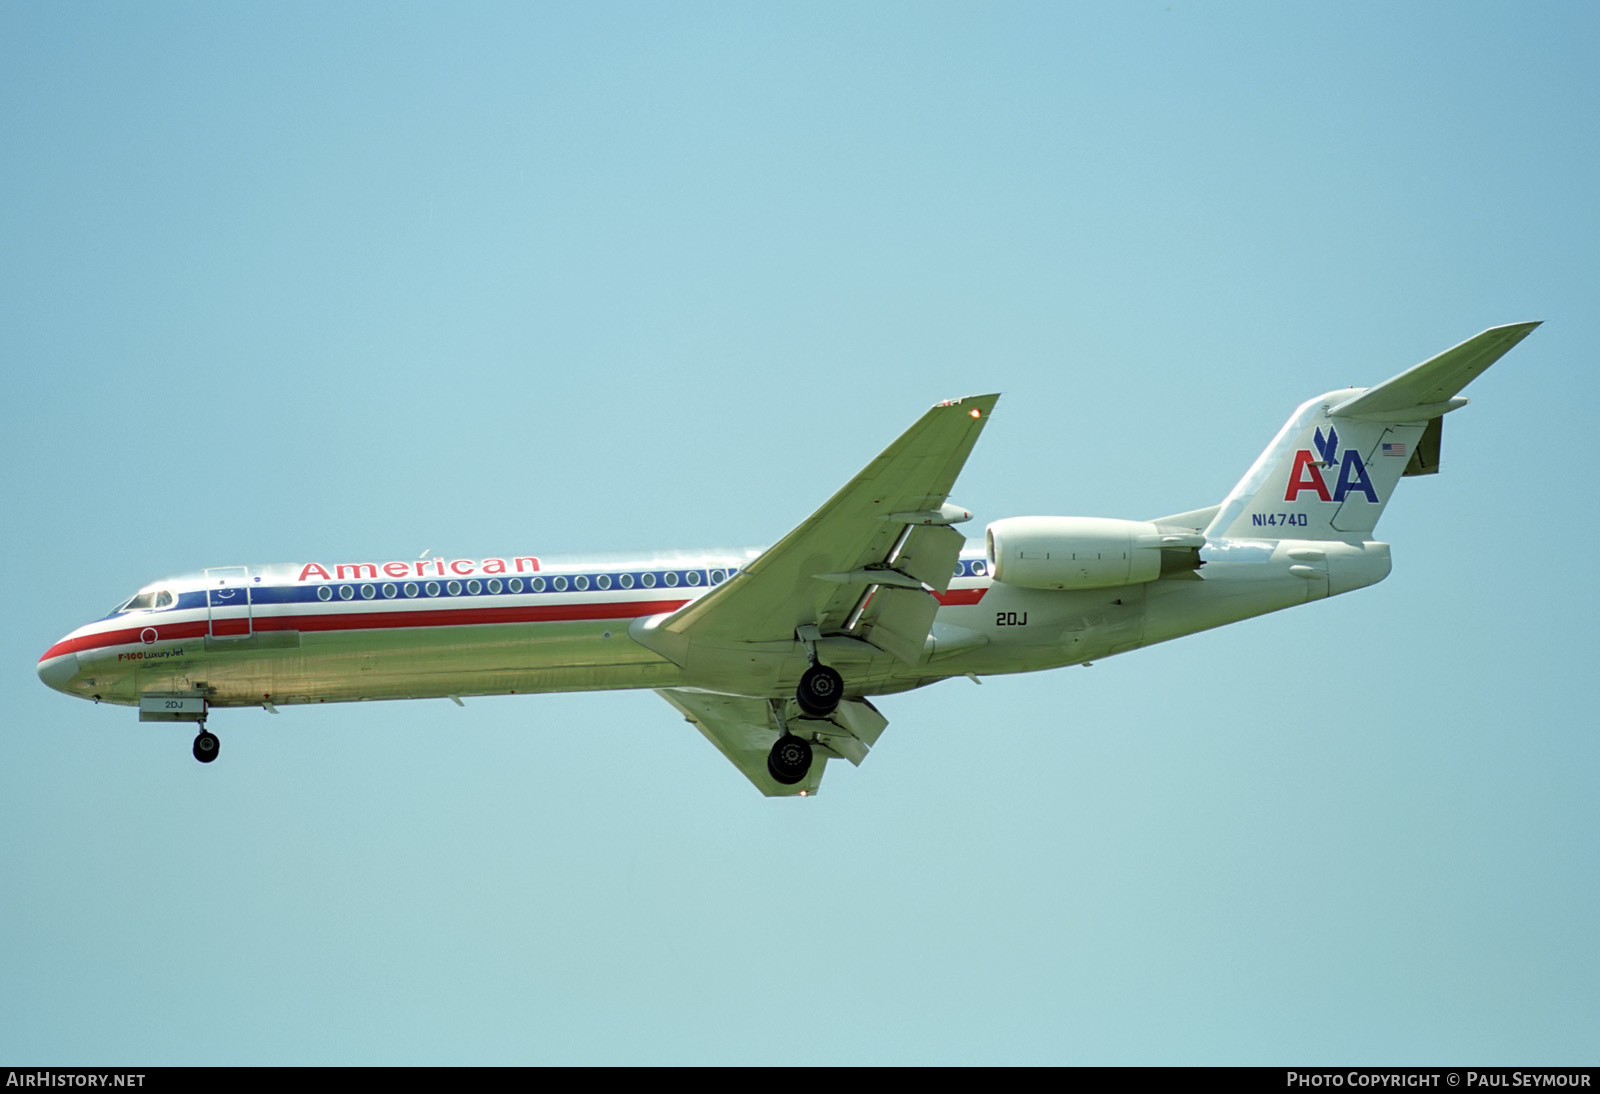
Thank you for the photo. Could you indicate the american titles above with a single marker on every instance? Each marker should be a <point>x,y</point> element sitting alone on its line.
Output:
<point>422,567</point>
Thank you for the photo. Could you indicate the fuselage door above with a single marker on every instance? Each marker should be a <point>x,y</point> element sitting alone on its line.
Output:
<point>228,602</point>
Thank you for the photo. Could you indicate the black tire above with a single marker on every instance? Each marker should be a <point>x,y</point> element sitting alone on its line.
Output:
<point>206,746</point>
<point>820,691</point>
<point>790,759</point>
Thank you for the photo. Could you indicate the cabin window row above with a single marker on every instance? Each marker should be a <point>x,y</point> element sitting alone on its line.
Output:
<point>556,583</point>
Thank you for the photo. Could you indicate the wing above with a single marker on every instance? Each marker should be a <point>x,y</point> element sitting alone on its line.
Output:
<point>743,730</point>
<point>855,582</point>
<point>861,566</point>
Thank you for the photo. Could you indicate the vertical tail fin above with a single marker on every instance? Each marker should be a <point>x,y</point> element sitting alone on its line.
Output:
<point>1332,467</point>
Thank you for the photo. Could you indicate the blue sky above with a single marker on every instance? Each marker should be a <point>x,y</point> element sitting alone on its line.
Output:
<point>294,281</point>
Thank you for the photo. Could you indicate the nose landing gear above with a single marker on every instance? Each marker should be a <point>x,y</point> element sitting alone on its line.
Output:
<point>206,746</point>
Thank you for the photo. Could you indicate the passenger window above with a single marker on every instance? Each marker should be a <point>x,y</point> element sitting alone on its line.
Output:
<point>411,588</point>
<point>603,581</point>
<point>474,587</point>
<point>648,581</point>
<point>324,593</point>
<point>626,581</point>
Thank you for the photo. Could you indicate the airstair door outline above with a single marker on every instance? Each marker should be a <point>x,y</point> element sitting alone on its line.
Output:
<point>228,610</point>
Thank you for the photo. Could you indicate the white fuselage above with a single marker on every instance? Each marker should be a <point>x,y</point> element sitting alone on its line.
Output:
<point>774,655</point>
<point>285,634</point>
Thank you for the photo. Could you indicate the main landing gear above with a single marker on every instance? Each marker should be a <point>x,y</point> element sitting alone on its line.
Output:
<point>819,693</point>
<point>790,759</point>
<point>820,690</point>
<point>206,746</point>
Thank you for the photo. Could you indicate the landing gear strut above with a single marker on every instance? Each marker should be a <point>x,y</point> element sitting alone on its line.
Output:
<point>790,759</point>
<point>206,746</point>
<point>820,690</point>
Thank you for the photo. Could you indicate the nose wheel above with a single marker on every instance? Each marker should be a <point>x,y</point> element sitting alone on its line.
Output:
<point>206,746</point>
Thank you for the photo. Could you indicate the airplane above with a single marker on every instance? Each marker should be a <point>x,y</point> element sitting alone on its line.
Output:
<point>775,655</point>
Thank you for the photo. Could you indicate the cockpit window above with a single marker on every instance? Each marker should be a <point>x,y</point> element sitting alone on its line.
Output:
<point>148,601</point>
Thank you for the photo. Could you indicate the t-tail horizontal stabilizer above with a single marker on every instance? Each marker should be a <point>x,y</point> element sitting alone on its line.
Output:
<point>1428,390</point>
<point>1332,467</point>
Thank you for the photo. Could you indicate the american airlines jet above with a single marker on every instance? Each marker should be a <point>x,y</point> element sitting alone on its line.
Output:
<point>776,655</point>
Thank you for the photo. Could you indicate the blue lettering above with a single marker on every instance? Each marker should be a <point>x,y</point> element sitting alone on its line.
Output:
<point>1353,477</point>
<point>1273,520</point>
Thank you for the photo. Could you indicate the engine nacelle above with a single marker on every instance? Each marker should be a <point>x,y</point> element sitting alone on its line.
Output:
<point>1074,552</point>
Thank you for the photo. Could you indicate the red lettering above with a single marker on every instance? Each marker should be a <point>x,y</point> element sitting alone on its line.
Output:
<point>461,567</point>
<point>1305,464</point>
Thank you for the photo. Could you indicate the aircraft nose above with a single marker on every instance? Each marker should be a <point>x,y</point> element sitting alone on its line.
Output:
<point>59,671</point>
